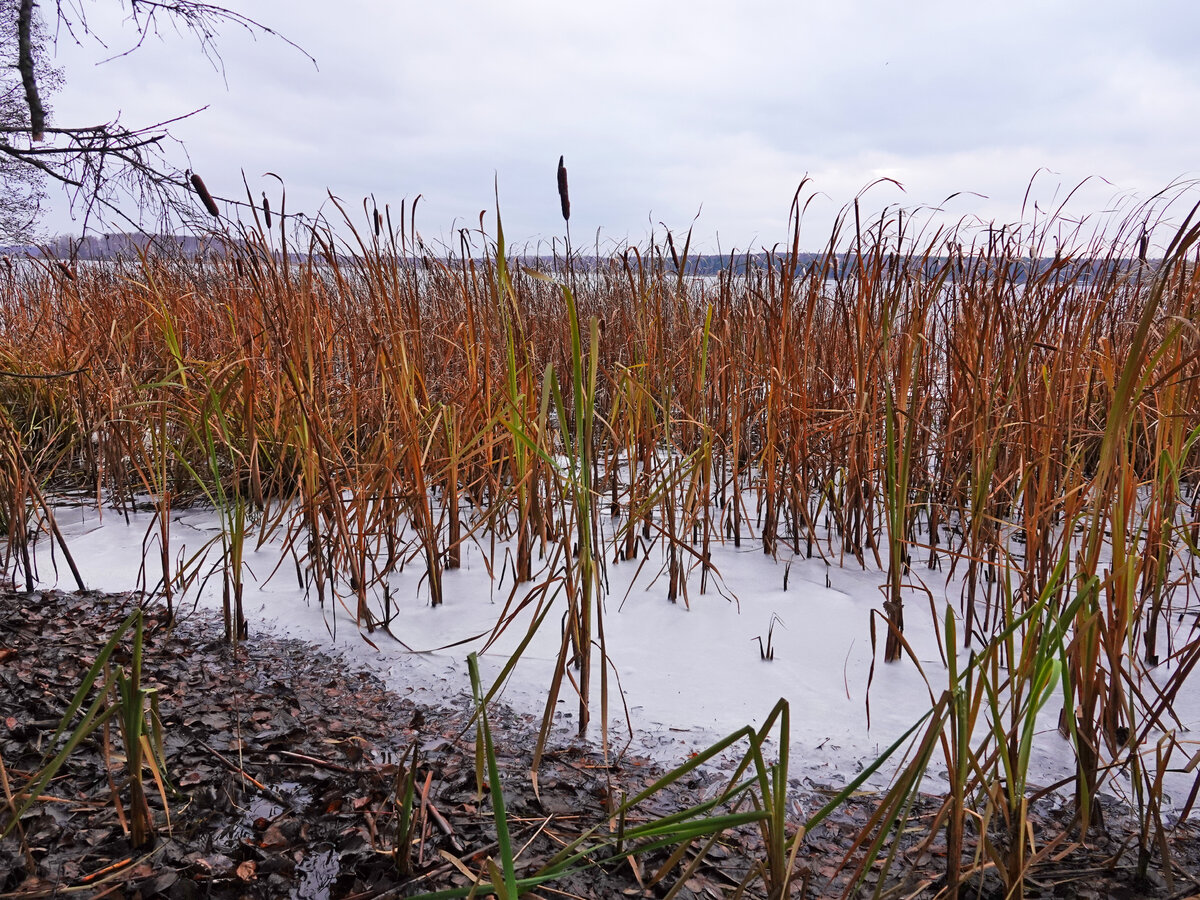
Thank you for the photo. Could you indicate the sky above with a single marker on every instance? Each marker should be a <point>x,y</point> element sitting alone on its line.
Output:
<point>702,115</point>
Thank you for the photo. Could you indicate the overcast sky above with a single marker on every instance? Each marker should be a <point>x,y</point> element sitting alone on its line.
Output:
<point>666,110</point>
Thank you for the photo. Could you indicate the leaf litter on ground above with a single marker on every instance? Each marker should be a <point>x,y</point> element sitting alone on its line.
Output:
<point>286,761</point>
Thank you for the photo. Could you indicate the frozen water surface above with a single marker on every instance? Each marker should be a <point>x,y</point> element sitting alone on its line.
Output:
<point>689,673</point>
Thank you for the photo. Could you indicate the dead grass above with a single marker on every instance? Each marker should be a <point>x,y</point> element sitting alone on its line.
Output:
<point>1023,420</point>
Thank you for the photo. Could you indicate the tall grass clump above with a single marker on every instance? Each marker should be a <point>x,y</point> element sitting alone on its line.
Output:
<point>1012,411</point>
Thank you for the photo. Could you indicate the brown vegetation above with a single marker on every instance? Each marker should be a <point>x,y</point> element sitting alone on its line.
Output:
<point>1026,420</point>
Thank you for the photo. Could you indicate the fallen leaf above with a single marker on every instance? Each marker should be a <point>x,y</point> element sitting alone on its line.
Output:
<point>218,865</point>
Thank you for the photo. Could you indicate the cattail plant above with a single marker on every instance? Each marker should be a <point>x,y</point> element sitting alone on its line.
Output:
<point>1024,421</point>
<point>205,197</point>
<point>564,200</point>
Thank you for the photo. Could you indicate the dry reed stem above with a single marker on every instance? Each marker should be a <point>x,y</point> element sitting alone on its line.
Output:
<point>370,396</point>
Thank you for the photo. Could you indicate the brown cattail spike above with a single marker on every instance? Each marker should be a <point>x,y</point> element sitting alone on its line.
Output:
<point>267,210</point>
<point>563,196</point>
<point>205,197</point>
<point>674,255</point>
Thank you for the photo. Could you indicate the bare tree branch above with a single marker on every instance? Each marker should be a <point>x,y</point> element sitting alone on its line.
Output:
<point>204,21</point>
<point>110,170</point>
<point>37,114</point>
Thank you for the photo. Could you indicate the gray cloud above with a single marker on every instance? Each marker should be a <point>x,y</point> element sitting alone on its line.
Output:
<point>662,108</point>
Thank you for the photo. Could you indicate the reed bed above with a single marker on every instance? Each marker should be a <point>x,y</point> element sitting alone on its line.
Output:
<point>1026,421</point>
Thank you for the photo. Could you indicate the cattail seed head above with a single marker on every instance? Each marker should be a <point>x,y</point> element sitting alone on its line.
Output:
<point>564,196</point>
<point>674,255</point>
<point>267,210</point>
<point>205,197</point>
